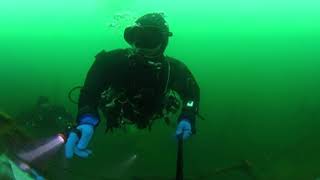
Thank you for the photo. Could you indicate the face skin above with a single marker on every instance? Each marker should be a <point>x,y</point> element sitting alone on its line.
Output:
<point>148,53</point>
<point>44,106</point>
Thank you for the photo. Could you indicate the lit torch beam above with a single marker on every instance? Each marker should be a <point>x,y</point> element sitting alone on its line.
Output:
<point>52,144</point>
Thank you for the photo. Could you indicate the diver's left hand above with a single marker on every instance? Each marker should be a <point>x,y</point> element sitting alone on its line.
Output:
<point>77,144</point>
<point>39,178</point>
<point>184,129</point>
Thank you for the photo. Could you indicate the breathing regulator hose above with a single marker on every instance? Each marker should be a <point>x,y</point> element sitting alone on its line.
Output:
<point>71,92</point>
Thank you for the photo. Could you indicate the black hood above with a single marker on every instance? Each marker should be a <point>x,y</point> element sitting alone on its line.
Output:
<point>144,30</point>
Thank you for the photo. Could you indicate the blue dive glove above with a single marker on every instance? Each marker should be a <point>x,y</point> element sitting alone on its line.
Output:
<point>184,129</point>
<point>36,175</point>
<point>79,139</point>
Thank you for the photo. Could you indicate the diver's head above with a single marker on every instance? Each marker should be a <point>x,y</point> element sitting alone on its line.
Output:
<point>43,102</point>
<point>149,36</point>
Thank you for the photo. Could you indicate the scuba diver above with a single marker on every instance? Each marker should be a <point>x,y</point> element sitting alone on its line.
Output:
<point>45,118</point>
<point>136,86</point>
<point>12,138</point>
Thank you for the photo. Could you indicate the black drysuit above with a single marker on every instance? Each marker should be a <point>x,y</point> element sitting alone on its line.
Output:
<point>144,86</point>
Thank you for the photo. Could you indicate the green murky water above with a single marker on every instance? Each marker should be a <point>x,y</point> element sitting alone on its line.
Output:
<point>257,63</point>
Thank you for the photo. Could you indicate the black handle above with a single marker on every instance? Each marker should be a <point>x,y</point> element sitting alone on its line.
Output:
<point>179,170</point>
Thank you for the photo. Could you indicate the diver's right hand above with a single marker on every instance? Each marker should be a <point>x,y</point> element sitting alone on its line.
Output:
<point>77,142</point>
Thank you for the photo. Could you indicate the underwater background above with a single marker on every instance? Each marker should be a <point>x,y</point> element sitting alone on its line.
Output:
<point>257,63</point>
